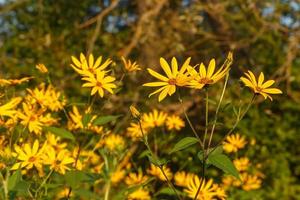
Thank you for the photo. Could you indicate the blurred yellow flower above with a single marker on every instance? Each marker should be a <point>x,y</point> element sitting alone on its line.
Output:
<point>241,164</point>
<point>182,178</point>
<point>208,190</point>
<point>34,119</point>
<point>208,77</point>
<point>250,182</point>
<point>129,66</point>
<point>114,142</point>
<point>42,68</point>
<point>29,156</point>
<point>58,160</point>
<point>154,119</point>
<point>259,86</point>
<point>139,194</point>
<point>134,112</point>
<point>46,97</point>
<point>233,143</point>
<point>174,122</point>
<point>155,171</point>
<point>135,178</point>
<point>134,130</point>
<point>117,176</point>
<point>8,108</point>
<point>174,78</point>
<point>100,82</point>
<point>87,66</point>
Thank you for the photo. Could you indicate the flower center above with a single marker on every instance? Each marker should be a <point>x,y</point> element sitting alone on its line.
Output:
<point>258,89</point>
<point>205,80</point>
<point>32,159</point>
<point>98,84</point>
<point>172,81</point>
<point>91,70</point>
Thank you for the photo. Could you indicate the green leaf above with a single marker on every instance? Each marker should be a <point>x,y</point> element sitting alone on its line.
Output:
<point>14,179</point>
<point>63,133</point>
<point>74,178</point>
<point>157,162</point>
<point>105,119</point>
<point>222,162</point>
<point>211,151</point>
<point>86,119</point>
<point>184,143</point>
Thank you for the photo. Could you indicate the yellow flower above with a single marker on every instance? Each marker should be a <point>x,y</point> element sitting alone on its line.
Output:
<point>34,119</point>
<point>54,142</point>
<point>182,178</point>
<point>233,143</point>
<point>242,164</point>
<point>117,176</point>
<point>8,108</point>
<point>99,82</point>
<point>134,130</point>
<point>76,119</point>
<point>174,122</point>
<point>58,161</point>
<point>154,119</point>
<point>114,142</point>
<point>135,178</point>
<point>208,77</point>
<point>134,112</point>
<point>46,97</point>
<point>42,68</point>
<point>260,87</point>
<point>208,190</point>
<point>29,156</point>
<point>250,182</point>
<point>155,171</point>
<point>129,66</point>
<point>174,78</point>
<point>86,66</point>
<point>139,194</point>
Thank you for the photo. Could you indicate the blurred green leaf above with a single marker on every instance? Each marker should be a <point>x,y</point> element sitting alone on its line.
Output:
<point>61,132</point>
<point>14,179</point>
<point>183,144</point>
<point>105,119</point>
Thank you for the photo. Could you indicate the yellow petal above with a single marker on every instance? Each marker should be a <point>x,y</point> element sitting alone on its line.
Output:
<point>157,91</point>
<point>164,64</point>
<point>202,70</point>
<point>268,83</point>
<point>185,65</point>
<point>211,67</point>
<point>272,91</point>
<point>157,75</point>
<point>174,66</point>
<point>163,94</point>
<point>155,84</point>
<point>261,79</point>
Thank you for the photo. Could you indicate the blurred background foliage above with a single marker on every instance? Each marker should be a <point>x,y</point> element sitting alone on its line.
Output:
<point>263,34</point>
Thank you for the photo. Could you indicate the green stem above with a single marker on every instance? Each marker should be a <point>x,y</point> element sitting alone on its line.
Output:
<point>206,116</point>
<point>107,190</point>
<point>145,140</point>
<point>217,111</point>
<point>234,126</point>
<point>43,183</point>
<point>189,122</point>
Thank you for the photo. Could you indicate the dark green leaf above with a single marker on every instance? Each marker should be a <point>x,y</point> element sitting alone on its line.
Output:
<point>86,119</point>
<point>184,143</point>
<point>74,178</point>
<point>14,179</point>
<point>222,162</point>
<point>63,133</point>
<point>105,119</point>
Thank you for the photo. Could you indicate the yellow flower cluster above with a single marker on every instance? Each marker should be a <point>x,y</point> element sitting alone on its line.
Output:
<point>94,73</point>
<point>152,120</point>
<point>251,178</point>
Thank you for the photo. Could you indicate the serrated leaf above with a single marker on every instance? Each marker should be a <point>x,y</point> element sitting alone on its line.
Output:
<point>86,119</point>
<point>222,162</point>
<point>13,180</point>
<point>105,119</point>
<point>63,133</point>
<point>184,143</point>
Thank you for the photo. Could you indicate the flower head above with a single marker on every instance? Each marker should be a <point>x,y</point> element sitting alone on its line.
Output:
<point>134,112</point>
<point>174,122</point>
<point>42,68</point>
<point>135,178</point>
<point>129,66</point>
<point>8,108</point>
<point>99,82</point>
<point>182,178</point>
<point>154,119</point>
<point>233,143</point>
<point>173,78</point>
<point>155,171</point>
<point>207,77</point>
<point>139,194</point>
<point>86,66</point>
<point>259,86</point>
